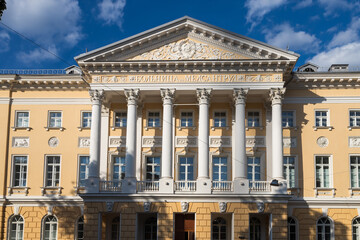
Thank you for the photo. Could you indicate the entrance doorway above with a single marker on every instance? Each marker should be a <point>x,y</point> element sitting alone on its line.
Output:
<point>147,226</point>
<point>259,227</point>
<point>184,226</point>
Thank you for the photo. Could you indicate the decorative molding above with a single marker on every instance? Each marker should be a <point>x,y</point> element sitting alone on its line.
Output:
<point>117,141</point>
<point>203,95</point>
<point>20,142</point>
<point>96,95</point>
<point>16,209</point>
<point>222,207</point>
<point>354,141</point>
<point>289,142</point>
<point>185,141</point>
<point>154,141</point>
<point>167,96</point>
<point>50,101</point>
<point>184,207</point>
<point>132,96</point>
<point>219,141</point>
<point>53,142</point>
<point>322,142</point>
<point>147,206</point>
<point>314,100</point>
<point>276,95</point>
<point>50,210</point>
<point>240,95</point>
<point>84,142</point>
<point>260,207</point>
<point>109,206</point>
<point>255,141</point>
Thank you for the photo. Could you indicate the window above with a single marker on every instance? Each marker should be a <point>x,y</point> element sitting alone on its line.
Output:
<point>354,118</point>
<point>255,229</point>
<point>85,119</point>
<point>152,168</point>
<point>186,119</point>
<point>253,119</point>
<point>55,119</point>
<point>52,171</point>
<point>154,119</point>
<point>289,171</point>
<point>120,119</point>
<point>292,229</point>
<point>80,228</point>
<point>16,225</point>
<point>321,118</point>
<point>118,168</point>
<point>356,228</point>
<point>115,228</point>
<point>323,226</point>
<point>150,229</point>
<point>355,171</point>
<point>83,169</point>
<point>220,119</point>
<point>254,168</point>
<point>219,229</point>
<point>50,228</point>
<point>220,169</point>
<point>288,118</point>
<point>322,164</point>
<point>22,119</point>
<point>186,166</point>
<point>19,171</point>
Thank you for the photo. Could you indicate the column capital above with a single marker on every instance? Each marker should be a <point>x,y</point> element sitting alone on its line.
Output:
<point>203,95</point>
<point>240,95</point>
<point>96,95</point>
<point>276,95</point>
<point>167,95</point>
<point>132,95</point>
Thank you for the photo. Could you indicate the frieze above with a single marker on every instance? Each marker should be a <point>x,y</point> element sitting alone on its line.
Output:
<point>151,141</point>
<point>255,141</point>
<point>20,142</point>
<point>186,141</point>
<point>354,141</point>
<point>84,142</point>
<point>117,141</point>
<point>289,142</point>
<point>220,141</point>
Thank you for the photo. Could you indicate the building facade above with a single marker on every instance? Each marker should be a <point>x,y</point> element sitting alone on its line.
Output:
<point>185,131</point>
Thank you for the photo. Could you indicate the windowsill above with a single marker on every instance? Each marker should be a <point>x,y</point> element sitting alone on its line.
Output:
<point>291,128</point>
<point>54,128</point>
<point>324,191</point>
<point>192,127</point>
<point>321,127</point>
<point>24,190</point>
<point>353,127</point>
<point>260,128</point>
<point>222,127</point>
<point>51,190</point>
<point>83,128</point>
<point>21,128</point>
<point>117,127</point>
<point>147,128</point>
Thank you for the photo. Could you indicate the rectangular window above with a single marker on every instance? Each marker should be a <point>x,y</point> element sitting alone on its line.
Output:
<point>52,171</point>
<point>186,119</point>
<point>354,118</point>
<point>186,167</point>
<point>321,118</point>
<point>253,119</point>
<point>254,169</point>
<point>152,168</point>
<point>22,119</point>
<point>289,171</point>
<point>20,171</point>
<point>120,119</point>
<point>355,171</point>
<point>220,119</point>
<point>118,168</point>
<point>288,118</point>
<point>83,170</point>
<point>322,165</point>
<point>55,119</point>
<point>154,119</point>
<point>220,169</point>
<point>86,119</point>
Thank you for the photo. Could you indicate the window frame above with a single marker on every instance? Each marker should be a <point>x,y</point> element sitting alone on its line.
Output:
<point>353,225</point>
<point>295,169</point>
<point>16,119</point>
<point>358,181</point>
<point>111,170</point>
<point>45,170</point>
<point>193,118</point>
<point>328,124</point>
<point>355,110</point>
<point>193,165</point>
<point>147,118</point>
<point>82,119</point>
<point>49,119</point>
<point>228,166</point>
<point>114,119</point>
<point>330,170</point>
<point>9,228</point>
<point>247,118</point>
<point>226,118</point>
<point>77,227</point>
<point>13,179</point>
<point>294,118</point>
<point>145,167</point>
<point>79,166</point>
<point>296,227</point>
<point>43,222</point>
<point>331,227</point>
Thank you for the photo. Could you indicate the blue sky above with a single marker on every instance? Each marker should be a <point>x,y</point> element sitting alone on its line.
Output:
<point>321,31</point>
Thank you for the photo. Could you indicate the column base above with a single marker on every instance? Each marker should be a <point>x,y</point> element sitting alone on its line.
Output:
<point>128,185</point>
<point>92,185</point>
<point>166,185</point>
<point>203,185</point>
<point>241,186</point>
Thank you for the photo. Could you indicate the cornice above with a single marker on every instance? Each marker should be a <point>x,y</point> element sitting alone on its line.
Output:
<point>324,80</point>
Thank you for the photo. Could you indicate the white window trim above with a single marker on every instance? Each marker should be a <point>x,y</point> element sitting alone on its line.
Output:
<point>113,127</point>
<point>294,118</point>
<point>45,171</point>
<point>193,117</point>
<point>229,164</point>
<point>9,225</point>
<point>328,126</point>
<point>28,128</point>
<point>78,167</point>
<point>330,171</point>
<point>178,156</point>
<point>48,121</point>
<point>352,127</point>
<point>111,168</point>
<point>147,118</point>
<point>332,233</point>
<point>12,178</point>
<point>227,125</point>
<point>262,165</point>
<point>352,225</point>
<point>352,155</point>
<point>43,226</point>
<point>143,165</point>
<point>260,118</point>
<point>296,169</point>
<point>82,119</point>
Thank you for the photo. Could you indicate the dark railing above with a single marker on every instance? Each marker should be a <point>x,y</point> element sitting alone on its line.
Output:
<point>33,71</point>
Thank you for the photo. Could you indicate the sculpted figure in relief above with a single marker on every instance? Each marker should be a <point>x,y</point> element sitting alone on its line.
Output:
<point>184,206</point>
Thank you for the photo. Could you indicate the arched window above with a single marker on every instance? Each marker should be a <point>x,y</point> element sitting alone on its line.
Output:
<point>50,228</point>
<point>292,229</point>
<point>219,229</point>
<point>356,228</point>
<point>80,228</point>
<point>323,229</point>
<point>255,229</point>
<point>151,229</point>
<point>115,228</point>
<point>16,225</point>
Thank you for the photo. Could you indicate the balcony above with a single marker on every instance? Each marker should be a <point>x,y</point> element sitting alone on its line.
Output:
<point>147,186</point>
<point>222,186</point>
<point>185,186</point>
<point>259,186</point>
<point>110,186</point>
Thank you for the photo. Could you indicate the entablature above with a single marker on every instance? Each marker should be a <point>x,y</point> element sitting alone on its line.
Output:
<point>324,80</point>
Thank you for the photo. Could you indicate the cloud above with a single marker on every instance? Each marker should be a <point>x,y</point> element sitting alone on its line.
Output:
<point>38,55</point>
<point>284,35</point>
<point>333,6</point>
<point>112,11</point>
<point>4,41</point>
<point>351,34</point>
<point>257,9</point>
<point>303,4</point>
<point>348,53</point>
<point>47,22</point>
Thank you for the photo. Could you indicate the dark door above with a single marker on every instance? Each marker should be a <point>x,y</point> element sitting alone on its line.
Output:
<point>184,226</point>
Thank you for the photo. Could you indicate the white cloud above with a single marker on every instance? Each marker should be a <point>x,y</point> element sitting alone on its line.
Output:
<point>38,55</point>
<point>351,34</point>
<point>284,35</point>
<point>333,6</point>
<point>348,53</point>
<point>112,11</point>
<point>4,41</point>
<point>303,4</point>
<point>45,21</point>
<point>257,9</point>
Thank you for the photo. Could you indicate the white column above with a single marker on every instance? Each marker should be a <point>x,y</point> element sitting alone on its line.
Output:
<point>132,96</point>
<point>167,146</point>
<point>240,159</point>
<point>276,96</point>
<point>104,132</point>
<point>203,138</point>
<point>96,99</point>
